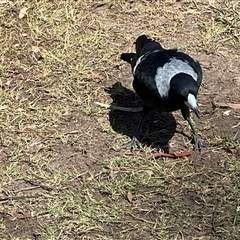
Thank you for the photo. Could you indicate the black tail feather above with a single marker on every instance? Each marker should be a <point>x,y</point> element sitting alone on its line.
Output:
<point>127,57</point>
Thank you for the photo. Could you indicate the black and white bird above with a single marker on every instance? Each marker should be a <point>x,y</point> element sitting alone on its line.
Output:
<point>164,79</point>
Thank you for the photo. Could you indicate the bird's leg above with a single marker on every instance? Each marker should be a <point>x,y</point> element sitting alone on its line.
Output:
<point>135,139</point>
<point>197,140</point>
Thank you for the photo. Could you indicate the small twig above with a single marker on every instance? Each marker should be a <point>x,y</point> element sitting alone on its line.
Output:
<point>170,155</point>
<point>237,125</point>
<point>17,197</point>
<point>72,132</point>
<point>78,176</point>
<point>101,4</point>
<point>141,219</point>
<point>25,189</point>
<point>44,187</point>
<point>124,109</point>
<point>214,217</point>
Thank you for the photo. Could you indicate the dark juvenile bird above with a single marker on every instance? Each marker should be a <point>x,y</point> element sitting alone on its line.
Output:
<point>164,79</point>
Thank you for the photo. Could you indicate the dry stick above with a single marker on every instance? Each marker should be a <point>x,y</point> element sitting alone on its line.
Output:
<point>101,4</point>
<point>40,185</point>
<point>25,189</point>
<point>124,109</point>
<point>35,186</point>
<point>141,219</point>
<point>17,197</point>
<point>170,155</point>
<point>214,217</point>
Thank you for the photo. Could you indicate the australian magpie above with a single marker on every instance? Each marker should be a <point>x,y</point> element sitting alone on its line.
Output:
<point>164,79</point>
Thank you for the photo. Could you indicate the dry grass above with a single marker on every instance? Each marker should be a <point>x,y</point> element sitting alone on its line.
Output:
<point>64,171</point>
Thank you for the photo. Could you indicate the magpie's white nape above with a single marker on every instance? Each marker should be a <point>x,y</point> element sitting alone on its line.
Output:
<point>164,79</point>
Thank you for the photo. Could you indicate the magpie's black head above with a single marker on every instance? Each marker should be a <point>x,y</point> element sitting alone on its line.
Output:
<point>186,88</point>
<point>145,44</point>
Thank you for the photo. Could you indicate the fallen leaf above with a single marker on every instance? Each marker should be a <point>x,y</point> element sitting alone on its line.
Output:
<point>90,178</point>
<point>23,12</point>
<point>8,82</point>
<point>168,164</point>
<point>207,190</point>
<point>44,73</point>
<point>149,172</point>
<point>129,197</point>
<point>95,76</point>
<point>17,213</point>
<point>226,105</point>
<point>226,113</point>
<point>237,81</point>
<point>234,105</point>
<point>35,49</point>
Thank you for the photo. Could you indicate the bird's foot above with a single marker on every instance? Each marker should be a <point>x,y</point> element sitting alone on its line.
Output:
<point>197,141</point>
<point>133,143</point>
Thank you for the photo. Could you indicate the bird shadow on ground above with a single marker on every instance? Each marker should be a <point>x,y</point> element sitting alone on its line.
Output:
<point>158,127</point>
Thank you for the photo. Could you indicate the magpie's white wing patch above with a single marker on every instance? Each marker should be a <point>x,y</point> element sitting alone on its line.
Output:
<point>137,63</point>
<point>168,71</point>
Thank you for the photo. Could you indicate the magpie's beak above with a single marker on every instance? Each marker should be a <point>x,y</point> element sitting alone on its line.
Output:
<point>192,104</point>
<point>196,112</point>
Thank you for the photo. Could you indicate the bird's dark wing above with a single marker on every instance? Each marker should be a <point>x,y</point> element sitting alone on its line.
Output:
<point>144,76</point>
<point>146,68</point>
<point>144,46</point>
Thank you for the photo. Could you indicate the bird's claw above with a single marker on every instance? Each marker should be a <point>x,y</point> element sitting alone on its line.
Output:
<point>198,142</point>
<point>134,143</point>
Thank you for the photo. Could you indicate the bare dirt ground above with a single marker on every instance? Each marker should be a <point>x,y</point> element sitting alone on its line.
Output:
<point>65,170</point>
